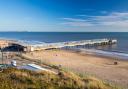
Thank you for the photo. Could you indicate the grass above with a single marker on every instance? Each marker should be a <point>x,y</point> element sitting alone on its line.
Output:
<point>12,78</point>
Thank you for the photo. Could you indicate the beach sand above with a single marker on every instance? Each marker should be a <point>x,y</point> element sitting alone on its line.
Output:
<point>84,63</point>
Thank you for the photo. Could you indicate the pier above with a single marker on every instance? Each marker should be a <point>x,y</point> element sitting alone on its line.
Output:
<point>29,46</point>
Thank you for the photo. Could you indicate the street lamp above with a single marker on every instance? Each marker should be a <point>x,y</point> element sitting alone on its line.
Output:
<point>2,55</point>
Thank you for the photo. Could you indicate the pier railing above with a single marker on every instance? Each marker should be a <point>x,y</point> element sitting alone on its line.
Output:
<point>73,43</point>
<point>30,46</point>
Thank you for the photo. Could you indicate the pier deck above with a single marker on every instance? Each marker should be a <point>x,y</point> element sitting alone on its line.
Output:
<point>29,46</point>
<point>42,46</point>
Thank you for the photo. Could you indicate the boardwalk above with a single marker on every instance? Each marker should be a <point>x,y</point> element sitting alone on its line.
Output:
<point>34,46</point>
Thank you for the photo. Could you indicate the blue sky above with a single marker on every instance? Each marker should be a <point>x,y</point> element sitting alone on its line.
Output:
<point>64,15</point>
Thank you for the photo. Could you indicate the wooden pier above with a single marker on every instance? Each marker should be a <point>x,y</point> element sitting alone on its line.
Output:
<point>44,46</point>
<point>29,46</point>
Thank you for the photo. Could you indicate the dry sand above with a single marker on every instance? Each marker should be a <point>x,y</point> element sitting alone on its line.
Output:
<point>83,63</point>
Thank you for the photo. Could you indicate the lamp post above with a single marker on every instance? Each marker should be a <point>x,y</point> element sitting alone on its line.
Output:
<point>2,55</point>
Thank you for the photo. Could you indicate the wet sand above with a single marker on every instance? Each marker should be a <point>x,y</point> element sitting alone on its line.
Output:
<point>84,63</point>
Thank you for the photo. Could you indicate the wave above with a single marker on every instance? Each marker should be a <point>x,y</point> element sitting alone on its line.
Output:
<point>116,55</point>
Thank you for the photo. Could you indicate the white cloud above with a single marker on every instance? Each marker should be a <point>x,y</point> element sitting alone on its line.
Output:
<point>115,19</point>
<point>77,24</point>
<point>74,19</point>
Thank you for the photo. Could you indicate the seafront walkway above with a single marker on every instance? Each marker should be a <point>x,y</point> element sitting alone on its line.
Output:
<point>73,43</point>
<point>35,45</point>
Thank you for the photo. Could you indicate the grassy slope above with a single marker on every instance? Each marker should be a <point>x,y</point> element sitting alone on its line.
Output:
<point>24,79</point>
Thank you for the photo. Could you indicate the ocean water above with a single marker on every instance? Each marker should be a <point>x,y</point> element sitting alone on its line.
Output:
<point>121,46</point>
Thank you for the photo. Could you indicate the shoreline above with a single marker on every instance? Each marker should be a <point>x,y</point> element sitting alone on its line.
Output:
<point>101,53</point>
<point>110,54</point>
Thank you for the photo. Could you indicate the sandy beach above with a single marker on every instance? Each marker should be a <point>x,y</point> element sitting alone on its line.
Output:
<point>84,63</point>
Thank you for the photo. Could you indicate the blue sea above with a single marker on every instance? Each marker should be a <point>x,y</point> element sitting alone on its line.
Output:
<point>121,46</point>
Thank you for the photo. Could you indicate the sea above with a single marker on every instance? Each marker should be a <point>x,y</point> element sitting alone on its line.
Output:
<point>52,37</point>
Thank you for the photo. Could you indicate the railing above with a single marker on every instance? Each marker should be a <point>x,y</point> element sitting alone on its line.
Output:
<point>73,43</point>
